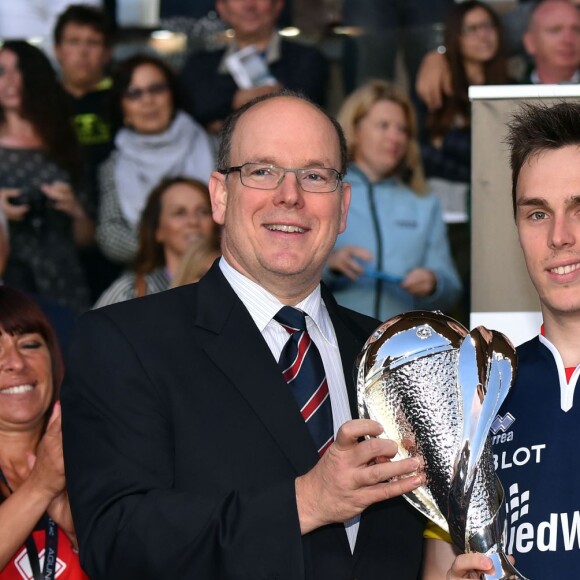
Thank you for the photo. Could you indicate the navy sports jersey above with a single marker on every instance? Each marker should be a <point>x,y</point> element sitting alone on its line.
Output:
<point>535,444</point>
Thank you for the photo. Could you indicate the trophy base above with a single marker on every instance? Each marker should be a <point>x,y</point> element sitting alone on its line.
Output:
<point>504,569</point>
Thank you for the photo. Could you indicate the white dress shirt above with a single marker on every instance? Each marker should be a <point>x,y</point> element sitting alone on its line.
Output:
<point>262,307</point>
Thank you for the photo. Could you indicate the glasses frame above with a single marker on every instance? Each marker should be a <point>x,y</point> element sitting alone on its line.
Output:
<point>137,93</point>
<point>471,30</point>
<point>238,168</point>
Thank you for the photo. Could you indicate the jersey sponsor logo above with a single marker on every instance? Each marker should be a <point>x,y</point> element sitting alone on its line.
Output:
<point>561,531</point>
<point>503,438</point>
<point>407,223</point>
<point>499,429</point>
<point>22,564</point>
<point>502,423</point>
<point>521,456</point>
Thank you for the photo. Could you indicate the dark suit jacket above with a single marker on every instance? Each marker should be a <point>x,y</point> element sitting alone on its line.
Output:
<point>182,443</point>
<point>210,93</point>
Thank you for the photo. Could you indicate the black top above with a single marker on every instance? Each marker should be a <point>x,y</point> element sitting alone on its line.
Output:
<point>210,93</point>
<point>43,256</point>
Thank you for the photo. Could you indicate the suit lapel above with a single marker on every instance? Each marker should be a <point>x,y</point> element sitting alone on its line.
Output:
<point>238,349</point>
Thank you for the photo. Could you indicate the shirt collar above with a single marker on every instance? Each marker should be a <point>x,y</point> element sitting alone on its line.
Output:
<point>536,79</point>
<point>263,306</point>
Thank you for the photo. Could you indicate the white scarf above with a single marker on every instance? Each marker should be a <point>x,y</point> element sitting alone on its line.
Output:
<point>143,160</point>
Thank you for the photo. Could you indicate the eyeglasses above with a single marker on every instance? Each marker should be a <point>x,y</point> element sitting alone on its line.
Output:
<point>267,176</point>
<point>135,93</point>
<point>473,29</point>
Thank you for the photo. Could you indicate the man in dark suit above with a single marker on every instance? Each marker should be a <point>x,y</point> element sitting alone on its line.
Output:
<point>212,93</point>
<point>186,453</point>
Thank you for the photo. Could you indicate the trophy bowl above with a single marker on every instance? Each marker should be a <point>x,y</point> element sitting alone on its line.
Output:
<point>435,388</point>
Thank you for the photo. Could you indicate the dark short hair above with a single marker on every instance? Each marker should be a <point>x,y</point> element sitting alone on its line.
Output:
<point>21,315</point>
<point>84,15</point>
<point>537,128</point>
<point>151,253</point>
<point>225,146</point>
<point>122,75</point>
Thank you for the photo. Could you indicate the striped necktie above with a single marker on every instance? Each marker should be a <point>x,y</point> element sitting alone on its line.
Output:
<point>304,372</point>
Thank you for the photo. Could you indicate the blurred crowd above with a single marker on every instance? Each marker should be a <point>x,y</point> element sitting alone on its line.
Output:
<point>104,162</point>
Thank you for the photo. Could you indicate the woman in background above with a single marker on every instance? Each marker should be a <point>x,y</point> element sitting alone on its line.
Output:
<point>40,165</point>
<point>156,140</point>
<point>197,261</point>
<point>474,56</point>
<point>176,215</point>
<point>394,255</point>
<point>34,510</point>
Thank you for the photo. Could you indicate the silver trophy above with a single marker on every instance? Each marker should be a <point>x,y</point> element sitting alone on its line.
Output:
<point>436,388</point>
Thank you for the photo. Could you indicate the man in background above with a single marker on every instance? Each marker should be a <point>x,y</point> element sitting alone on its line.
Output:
<point>552,41</point>
<point>211,89</point>
<point>82,46</point>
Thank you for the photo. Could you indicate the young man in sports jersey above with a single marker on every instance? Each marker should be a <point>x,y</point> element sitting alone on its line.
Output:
<point>539,423</point>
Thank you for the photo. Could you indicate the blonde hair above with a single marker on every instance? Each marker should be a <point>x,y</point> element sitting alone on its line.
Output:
<point>196,261</point>
<point>358,104</point>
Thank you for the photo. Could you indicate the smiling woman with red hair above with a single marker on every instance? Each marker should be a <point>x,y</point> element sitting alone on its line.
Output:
<point>34,510</point>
